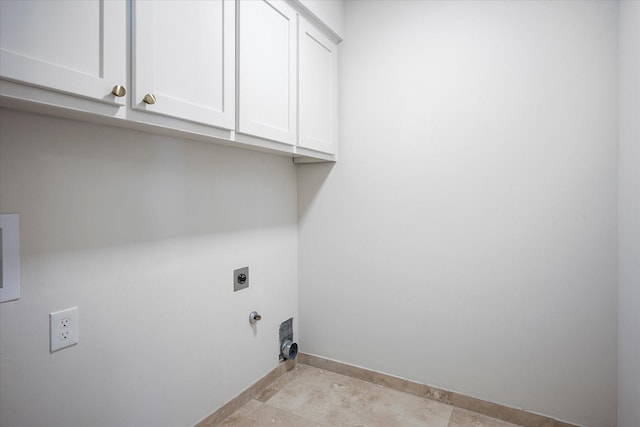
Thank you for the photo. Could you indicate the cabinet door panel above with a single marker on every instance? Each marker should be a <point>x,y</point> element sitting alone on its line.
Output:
<point>267,70</point>
<point>318,90</point>
<point>184,54</point>
<point>77,47</point>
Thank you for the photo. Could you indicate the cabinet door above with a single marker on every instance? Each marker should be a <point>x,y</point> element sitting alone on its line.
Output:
<point>76,47</point>
<point>318,101</point>
<point>184,56</point>
<point>267,70</point>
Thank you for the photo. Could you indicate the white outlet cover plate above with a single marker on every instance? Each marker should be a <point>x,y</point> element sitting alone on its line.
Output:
<point>63,328</point>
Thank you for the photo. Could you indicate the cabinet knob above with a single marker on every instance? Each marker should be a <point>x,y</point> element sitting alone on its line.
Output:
<point>149,99</point>
<point>119,91</point>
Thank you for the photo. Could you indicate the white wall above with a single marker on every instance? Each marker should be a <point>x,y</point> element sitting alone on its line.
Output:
<point>142,233</point>
<point>467,236</point>
<point>629,217</point>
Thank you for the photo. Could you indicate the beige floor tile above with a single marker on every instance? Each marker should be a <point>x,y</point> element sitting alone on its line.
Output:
<point>268,415</point>
<point>337,400</point>
<point>310,397</point>
<point>281,382</point>
<point>248,408</point>
<point>463,418</point>
<point>240,415</point>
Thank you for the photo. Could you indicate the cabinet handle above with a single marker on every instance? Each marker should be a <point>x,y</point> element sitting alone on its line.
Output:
<point>119,91</point>
<point>149,99</point>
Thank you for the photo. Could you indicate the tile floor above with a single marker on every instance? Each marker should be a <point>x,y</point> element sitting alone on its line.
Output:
<point>307,396</point>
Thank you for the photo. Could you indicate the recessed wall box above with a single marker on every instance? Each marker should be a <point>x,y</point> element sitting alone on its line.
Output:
<point>240,278</point>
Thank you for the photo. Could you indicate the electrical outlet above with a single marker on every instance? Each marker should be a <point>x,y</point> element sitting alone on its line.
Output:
<point>63,328</point>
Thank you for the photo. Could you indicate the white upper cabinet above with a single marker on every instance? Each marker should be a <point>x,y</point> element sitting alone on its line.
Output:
<point>318,86</point>
<point>267,41</point>
<point>184,60</point>
<point>74,47</point>
<point>258,74</point>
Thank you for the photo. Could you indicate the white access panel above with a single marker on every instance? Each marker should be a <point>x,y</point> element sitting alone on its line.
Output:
<point>318,97</point>
<point>184,55</point>
<point>9,257</point>
<point>267,70</point>
<point>76,47</point>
